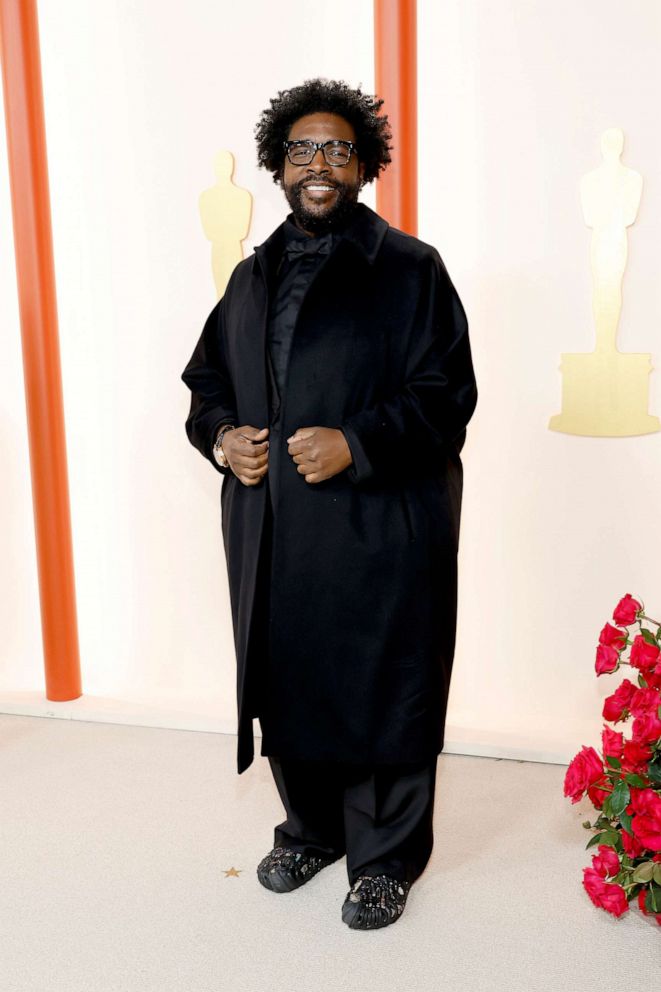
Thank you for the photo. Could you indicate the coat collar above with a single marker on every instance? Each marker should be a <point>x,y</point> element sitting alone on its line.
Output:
<point>365,232</point>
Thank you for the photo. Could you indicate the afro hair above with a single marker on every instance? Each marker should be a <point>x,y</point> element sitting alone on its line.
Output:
<point>331,97</point>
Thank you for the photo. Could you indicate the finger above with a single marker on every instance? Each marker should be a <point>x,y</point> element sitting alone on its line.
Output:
<point>252,434</point>
<point>262,432</point>
<point>302,433</point>
<point>248,480</point>
<point>301,447</point>
<point>246,449</point>
<point>306,462</point>
<point>249,467</point>
<point>251,458</point>
<point>254,473</point>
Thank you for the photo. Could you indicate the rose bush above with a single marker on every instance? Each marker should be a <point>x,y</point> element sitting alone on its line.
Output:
<point>623,782</point>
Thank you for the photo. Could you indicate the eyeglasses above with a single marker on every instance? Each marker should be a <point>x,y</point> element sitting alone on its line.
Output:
<point>335,152</point>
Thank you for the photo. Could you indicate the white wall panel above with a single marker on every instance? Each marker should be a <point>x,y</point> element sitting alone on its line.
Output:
<point>513,99</point>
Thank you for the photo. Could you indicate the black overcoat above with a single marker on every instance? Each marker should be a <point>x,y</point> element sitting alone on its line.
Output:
<point>363,584</point>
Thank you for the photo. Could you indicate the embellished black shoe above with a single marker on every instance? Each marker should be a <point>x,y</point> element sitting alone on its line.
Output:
<point>374,901</point>
<point>283,870</point>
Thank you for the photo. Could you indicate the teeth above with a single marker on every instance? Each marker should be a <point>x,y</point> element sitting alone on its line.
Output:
<point>318,187</point>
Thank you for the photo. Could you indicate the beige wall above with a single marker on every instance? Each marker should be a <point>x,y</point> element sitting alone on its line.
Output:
<point>513,98</point>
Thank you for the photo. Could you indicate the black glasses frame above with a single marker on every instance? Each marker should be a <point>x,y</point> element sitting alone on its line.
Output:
<point>314,146</point>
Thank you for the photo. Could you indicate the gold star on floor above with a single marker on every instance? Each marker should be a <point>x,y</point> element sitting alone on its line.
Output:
<point>232,871</point>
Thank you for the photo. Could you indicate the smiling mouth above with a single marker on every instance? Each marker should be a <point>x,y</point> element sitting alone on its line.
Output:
<point>318,188</point>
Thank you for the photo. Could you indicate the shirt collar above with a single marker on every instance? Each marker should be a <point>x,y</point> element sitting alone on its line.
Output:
<point>365,231</point>
<point>292,234</point>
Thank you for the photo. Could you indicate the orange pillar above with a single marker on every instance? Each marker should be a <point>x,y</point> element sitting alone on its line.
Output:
<point>396,83</point>
<point>28,173</point>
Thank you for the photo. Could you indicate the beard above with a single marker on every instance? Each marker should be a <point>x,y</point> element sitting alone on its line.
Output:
<point>322,221</point>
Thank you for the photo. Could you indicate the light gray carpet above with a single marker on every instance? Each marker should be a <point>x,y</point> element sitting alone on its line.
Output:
<point>115,840</point>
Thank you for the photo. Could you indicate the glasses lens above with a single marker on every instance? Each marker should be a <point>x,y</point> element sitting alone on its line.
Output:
<point>337,153</point>
<point>300,154</point>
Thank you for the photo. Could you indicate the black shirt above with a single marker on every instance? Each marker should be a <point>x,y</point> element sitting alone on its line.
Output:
<point>301,258</point>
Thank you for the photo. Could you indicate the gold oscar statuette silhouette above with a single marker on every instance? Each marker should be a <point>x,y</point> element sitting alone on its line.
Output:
<point>225,210</point>
<point>605,391</point>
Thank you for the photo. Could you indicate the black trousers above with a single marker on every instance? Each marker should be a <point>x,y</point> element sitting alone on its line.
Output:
<point>380,816</point>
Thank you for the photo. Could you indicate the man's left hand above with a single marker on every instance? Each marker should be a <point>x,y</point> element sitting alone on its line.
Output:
<point>319,452</point>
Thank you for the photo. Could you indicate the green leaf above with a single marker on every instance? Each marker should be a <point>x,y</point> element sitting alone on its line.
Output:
<point>654,772</point>
<point>641,681</point>
<point>644,872</point>
<point>620,798</point>
<point>653,899</point>
<point>594,841</point>
<point>656,874</point>
<point>613,761</point>
<point>648,636</point>
<point>635,780</point>
<point>625,820</point>
<point>611,838</point>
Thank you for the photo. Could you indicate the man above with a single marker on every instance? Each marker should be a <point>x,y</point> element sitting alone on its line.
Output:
<point>331,386</point>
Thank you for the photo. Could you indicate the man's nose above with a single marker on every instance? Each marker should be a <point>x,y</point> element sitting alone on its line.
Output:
<point>318,160</point>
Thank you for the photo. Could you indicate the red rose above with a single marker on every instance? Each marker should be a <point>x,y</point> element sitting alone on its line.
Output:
<point>635,756</point>
<point>645,801</point>
<point>653,679</point>
<point>626,610</point>
<point>643,655</point>
<point>606,862</point>
<point>599,792</point>
<point>605,895</point>
<point>646,728</point>
<point>606,659</point>
<point>615,705</point>
<point>648,831</point>
<point>583,770</point>
<point>646,824</point>
<point>612,743</point>
<point>641,906</point>
<point>644,706</point>
<point>644,701</point>
<point>631,846</point>
<point>613,636</point>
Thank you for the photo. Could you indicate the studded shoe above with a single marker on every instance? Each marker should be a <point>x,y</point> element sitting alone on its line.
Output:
<point>283,870</point>
<point>374,901</point>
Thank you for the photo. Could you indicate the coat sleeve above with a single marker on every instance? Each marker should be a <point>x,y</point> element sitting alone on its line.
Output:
<point>410,429</point>
<point>208,378</point>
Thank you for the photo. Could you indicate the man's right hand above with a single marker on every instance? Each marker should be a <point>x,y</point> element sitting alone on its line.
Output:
<point>248,456</point>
